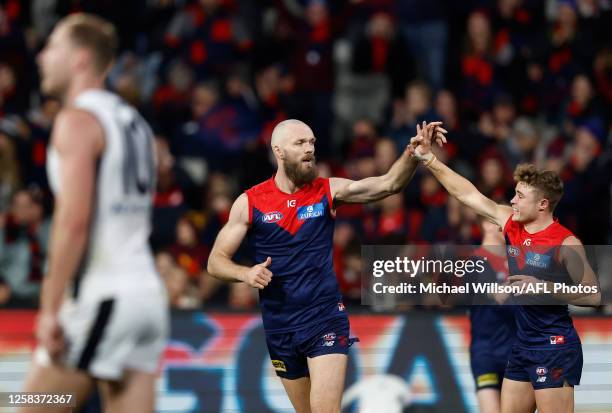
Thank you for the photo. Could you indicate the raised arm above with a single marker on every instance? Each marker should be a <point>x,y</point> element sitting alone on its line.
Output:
<point>456,185</point>
<point>220,264</point>
<point>347,191</point>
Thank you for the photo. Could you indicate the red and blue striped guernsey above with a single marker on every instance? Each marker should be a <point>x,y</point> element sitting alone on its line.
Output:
<point>296,231</point>
<point>537,254</point>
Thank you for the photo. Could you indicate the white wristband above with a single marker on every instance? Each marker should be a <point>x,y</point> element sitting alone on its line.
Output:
<point>426,158</point>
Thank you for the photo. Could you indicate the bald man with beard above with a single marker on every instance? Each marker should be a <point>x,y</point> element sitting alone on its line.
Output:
<point>290,218</point>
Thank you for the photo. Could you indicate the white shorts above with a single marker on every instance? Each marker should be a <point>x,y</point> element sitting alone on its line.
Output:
<point>108,336</point>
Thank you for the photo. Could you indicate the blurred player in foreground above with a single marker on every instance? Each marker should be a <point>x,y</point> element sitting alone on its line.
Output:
<point>493,327</point>
<point>103,309</point>
<point>290,218</point>
<point>546,360</point>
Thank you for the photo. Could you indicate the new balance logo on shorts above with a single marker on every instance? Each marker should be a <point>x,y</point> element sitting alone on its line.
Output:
<point>329,339</point>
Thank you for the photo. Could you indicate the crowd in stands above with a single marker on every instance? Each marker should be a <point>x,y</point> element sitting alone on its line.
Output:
<point>513,81</point>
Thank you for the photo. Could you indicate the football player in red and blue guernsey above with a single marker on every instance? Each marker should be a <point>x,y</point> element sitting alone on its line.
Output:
<point>290,219</point>
<point>546,360</point>
<point>492,327</point>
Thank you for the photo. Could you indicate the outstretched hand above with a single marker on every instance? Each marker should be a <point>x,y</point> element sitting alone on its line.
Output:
<point>420,145</point>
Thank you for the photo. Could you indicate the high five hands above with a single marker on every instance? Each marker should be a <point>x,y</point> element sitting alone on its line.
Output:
<point>420,145</point>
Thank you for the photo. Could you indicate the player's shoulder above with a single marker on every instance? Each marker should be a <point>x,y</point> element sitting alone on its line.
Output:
<point>97,97</point>
<point>320,182</point>
<point>559,233</point>
<point>74,127</point>
<point>511,226</point>
<point>260,188</point>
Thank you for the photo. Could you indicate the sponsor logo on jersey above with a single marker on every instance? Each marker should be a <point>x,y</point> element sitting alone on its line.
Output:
<point>557,339</point>
<point>541,371</point>
<point>271,217</point>
<point>341,306</point>
<point>541,379</point>
<point>537,260</point>
<point>488,379</point>
<point>513,251</point>
<point>279,365</point>
<point>310,211</point>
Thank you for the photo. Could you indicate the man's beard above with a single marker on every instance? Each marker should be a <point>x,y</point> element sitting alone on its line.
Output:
<point>298,174</point>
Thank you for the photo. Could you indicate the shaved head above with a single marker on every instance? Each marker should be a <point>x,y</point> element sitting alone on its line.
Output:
<point>293,147</point>
<point>288,128</point>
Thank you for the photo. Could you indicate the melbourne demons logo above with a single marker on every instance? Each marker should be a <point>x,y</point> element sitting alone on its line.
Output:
<point>271,217</point>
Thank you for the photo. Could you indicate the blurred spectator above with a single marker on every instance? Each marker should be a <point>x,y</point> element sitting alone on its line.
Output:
<point>188,253</point>
<point>424,25</point>
<point>217,203</point>
<point>602,68</point>
<point>209,36</point>
<point>9,169</point>
<point>463,222</point>
<point>16,66</point>
<point>363,139</point>
<point>220,131</point>
<point>515,24</point>
<point>381,49</point>
<point>345,248</point>
<point>585,206</point>
<point>392,222</point>
<point>24,233</point>
<point>580,106</point>
<point>434,227</point>
<point>171,101</point>
<point>169,201</point>
<point>311,63</point>
<point>494,183</point>
<point>480,84</point>
<point>5,292</point>
<point>181,294</point>
<point>415,108</point>
<point>241,297</point>
<point>446,108</point>
<point>568,51</point>
<point>523,142</point>
<point>39,122</point>
<point>385,154</point>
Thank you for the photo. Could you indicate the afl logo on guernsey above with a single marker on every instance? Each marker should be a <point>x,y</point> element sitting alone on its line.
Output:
<point>271,217</point>
<point>513,251</point>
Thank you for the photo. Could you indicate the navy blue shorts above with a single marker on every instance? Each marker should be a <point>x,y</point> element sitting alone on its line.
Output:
<point>289,351</point>
<point>488,369</point>
<point>546,368</point>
